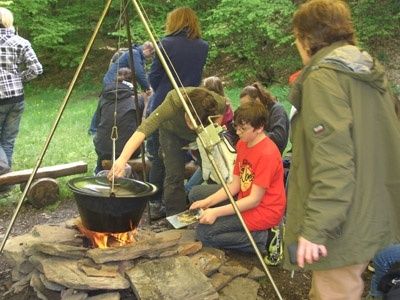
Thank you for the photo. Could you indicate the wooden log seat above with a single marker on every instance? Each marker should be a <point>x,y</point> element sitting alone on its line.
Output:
<point>44,189</point>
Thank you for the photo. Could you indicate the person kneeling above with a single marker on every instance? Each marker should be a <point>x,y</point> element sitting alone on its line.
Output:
<point>257,182</point>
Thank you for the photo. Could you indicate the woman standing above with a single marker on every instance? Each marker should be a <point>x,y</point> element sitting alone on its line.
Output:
<point>343,196</point>
<point>186,54</point>
<point>18,64</point>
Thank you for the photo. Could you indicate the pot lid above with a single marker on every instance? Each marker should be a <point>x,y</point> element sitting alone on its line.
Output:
<point>101,186</point>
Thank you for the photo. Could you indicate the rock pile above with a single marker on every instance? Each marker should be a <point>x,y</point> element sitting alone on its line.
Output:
<point>51,263</point>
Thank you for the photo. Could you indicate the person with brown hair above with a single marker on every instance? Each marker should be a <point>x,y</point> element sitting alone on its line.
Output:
<point>175,132</point>
<point>186,53</point>
<point>278,126</point>
<point>344,181</point>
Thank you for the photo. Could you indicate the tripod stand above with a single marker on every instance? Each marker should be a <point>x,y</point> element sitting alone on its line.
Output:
<point>207,135</point>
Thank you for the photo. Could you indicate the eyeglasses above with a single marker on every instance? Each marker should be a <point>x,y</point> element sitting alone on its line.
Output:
<point>242,128</point>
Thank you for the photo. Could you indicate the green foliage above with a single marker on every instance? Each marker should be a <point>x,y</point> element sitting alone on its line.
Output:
<point>376,20</point>
<point>252,38</point>
<point>58,29</point>
<point>248,31</point>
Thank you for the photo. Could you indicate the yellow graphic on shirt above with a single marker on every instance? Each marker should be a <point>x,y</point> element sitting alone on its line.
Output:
<point>246,175</point>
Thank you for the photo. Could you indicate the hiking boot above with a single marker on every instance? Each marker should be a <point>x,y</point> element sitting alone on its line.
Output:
<point>157,210</point>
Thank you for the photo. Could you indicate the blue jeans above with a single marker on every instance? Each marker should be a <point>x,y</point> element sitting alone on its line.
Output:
<point>10,117</point>
<point>195,179</point>
<point>227,231</point>
<point>383,261</point>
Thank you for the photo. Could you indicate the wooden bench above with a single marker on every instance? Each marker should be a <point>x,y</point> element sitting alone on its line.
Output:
<point>44,190</point>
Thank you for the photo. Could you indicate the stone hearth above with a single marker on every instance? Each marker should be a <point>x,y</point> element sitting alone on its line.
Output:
<point>51,263</point>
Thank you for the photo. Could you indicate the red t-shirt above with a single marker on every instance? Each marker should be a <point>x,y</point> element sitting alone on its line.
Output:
<point>261,165</point>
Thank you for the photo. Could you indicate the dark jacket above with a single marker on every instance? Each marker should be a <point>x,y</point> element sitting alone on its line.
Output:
<point>123,62</point>
<point>278,126</point>
<point>126,119</point>
<point>344,181</point>
<point>188,58</point>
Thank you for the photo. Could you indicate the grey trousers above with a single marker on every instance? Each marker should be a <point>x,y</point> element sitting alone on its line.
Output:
<point>174,162</point>
<point>227,231</point>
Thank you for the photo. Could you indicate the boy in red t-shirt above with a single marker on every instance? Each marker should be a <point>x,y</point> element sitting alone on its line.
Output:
<point>257,182</point>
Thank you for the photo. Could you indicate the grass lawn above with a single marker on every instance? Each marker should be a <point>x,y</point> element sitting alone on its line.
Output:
<point>71,141</point>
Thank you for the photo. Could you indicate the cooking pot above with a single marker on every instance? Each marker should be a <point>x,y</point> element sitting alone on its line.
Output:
<point>103,211</point>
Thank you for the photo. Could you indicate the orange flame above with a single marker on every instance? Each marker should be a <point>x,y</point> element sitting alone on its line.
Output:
<point>107,239</point>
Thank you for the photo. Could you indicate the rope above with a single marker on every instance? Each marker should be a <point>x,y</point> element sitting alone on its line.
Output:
<point>114,130</point>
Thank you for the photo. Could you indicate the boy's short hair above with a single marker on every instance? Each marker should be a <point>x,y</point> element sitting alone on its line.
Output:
<point>253,113</point>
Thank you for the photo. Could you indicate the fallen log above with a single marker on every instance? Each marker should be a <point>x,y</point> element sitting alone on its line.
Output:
<point>52,172</point>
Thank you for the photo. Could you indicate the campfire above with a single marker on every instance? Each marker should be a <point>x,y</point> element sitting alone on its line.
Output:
<point>51,262</point>
<point>105,240</point>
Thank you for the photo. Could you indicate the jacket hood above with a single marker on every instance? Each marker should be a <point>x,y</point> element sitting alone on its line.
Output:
<point>357,64</point>
<point>343,58</point>
<point>119,92</point>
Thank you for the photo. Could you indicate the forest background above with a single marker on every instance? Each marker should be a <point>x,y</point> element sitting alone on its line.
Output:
<point>249,39</point>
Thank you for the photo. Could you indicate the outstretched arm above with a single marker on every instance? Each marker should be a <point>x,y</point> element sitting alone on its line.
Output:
<point>133,143</point>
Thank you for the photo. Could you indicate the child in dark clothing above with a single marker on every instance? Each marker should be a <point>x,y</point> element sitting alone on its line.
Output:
<point>116,97</point>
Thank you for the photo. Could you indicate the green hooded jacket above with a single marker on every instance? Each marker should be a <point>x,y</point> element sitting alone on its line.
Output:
<point>344,181</point>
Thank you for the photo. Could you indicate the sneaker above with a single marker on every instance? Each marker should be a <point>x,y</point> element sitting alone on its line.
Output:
<point>274,248</point>
<point>157,211</point>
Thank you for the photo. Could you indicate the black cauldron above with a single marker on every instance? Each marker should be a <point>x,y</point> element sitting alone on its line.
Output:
<point>103,211</point>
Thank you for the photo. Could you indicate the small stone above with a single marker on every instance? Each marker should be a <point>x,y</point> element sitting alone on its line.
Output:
<point>189,248</point>
<point>240,288</point>
<point>219,280</point>
<point>256,273</point>
<point>233,271</point>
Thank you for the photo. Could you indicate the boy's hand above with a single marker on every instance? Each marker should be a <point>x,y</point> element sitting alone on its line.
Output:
<point>205,203</point>
<point>208,216</point>
<point>118,168</point>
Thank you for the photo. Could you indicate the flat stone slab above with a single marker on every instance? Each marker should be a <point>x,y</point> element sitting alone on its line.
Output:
<point>240,288</point>
<point>208,260</point>
<point>17,248</point>
<point>219,280</point>
<point>60,250</point>
<point>68,273</point>
<point>106,296</point>
<point>256,273</point>
<point>233,271</point>
<point>169,279</point>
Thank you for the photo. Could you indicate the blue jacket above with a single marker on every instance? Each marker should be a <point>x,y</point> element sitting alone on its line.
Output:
<point>123,62</point>
<point>188,58</point>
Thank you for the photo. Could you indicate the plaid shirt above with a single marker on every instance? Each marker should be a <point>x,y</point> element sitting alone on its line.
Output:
<point>16,53</point>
